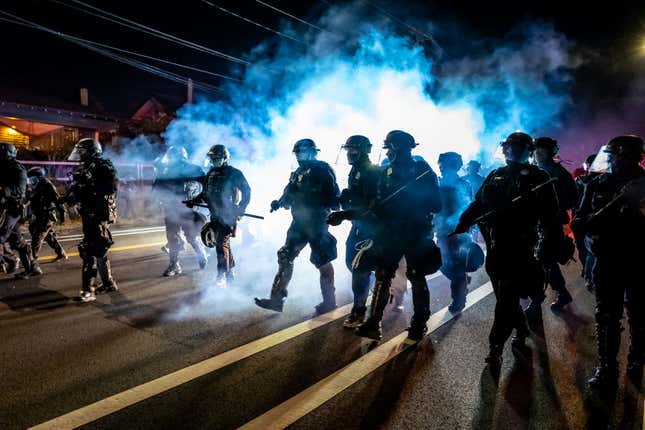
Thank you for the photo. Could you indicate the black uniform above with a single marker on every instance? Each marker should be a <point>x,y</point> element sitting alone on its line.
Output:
<point>93,190</point>
<point>172,186</point>
<point>567,193</point>
<point>311,193</point>
<point>13,186</point>
<point>45,211</point>
<point>361,191</point>
<point>455,197</point>
<point>617,240</point>
<point>586,258</point>
<point>227,194</point>
<point>405,230</point>
<point>511,234</point>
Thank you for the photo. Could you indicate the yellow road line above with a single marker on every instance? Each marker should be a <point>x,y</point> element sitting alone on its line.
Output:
<point>316,395</point>
<point>116,248</point>
<point>124,399</point>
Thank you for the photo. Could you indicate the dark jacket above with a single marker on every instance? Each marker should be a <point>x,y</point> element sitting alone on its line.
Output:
<point>44,201</point>
<point>312,191</point>
<point>565,188</point>
<point>227,194</point>
<point>13,186</point>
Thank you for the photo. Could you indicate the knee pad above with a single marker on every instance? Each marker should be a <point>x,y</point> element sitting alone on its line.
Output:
<point>284,257</point>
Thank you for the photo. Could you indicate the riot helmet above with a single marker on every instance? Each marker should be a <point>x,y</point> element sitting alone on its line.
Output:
<point>7,151</point>
<point>218,155</point>
<point>174,154</point>
<point>358,148</point>
<point>450,162</point>
<point>473,167</point>
<point>517,147</point>
<point>620,152</point>
<point>305,150</point>
<point>85,149</point>
<point>398,143</point>
<point>35,174</point>
<point>545,149</point>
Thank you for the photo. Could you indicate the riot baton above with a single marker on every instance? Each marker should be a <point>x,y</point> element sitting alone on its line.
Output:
<point>512,202</point>
<point>201,205</point>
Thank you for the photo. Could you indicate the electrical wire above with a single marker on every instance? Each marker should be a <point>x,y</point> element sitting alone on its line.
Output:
<point>108,16</point>
<point>291,16</point>
<point>279,33</point>
<point>134,63</point>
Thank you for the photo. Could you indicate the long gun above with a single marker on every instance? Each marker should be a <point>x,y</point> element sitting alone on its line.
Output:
<point>513,201</point>
<point>201,205</point>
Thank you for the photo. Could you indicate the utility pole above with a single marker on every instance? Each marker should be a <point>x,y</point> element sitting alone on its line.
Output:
<point>189,96</point>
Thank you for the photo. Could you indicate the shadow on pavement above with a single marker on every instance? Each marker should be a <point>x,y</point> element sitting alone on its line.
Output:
<point>29,295</point>
<point>485,412</point>
<point>395,376</point>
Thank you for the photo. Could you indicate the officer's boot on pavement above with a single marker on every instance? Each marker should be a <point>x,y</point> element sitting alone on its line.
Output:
<point>327,289</point>
<point>105,271</point>
<point>173,269</point>
<point>35,269</point>
<point>24,255</point>
<point>421,303</point>
<point>278,289</point>
<point>355,318</point>
<point>605,376</point>
<point>494,358</point>
<point>88,277</point>
<point>458,289</point>
<point>371,328</point>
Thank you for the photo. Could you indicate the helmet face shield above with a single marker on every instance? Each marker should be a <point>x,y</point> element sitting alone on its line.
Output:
<point>32,181</point>
<point>75,155</point>
<point>601,162</point>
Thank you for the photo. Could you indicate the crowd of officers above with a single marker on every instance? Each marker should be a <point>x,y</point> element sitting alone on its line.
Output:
<point>402,216</point>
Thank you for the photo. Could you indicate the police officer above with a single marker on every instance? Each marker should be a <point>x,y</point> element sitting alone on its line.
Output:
<point>355,200</point>
<point>456,195</point>
<point>46,209</point>
<point>612,216</point>
<point>407,197</point>
<point>472,175</point>
<point>93,191</point>
<point>227,194</point>
<point>13,186</point>
<point>511,233</point>
<point>311,193</point>
<point>587,259</point>
<point>176,182</point>
<point>546,149</point>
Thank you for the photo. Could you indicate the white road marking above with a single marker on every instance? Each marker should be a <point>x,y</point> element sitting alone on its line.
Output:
<point>124,399</point>
<point>315,396</point>
<point>116,233</point>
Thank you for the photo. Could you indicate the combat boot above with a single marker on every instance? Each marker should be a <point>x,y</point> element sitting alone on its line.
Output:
<point>494,357</point>
<point>105,271</point>
<point>270,304</point>
<point>327,290</point>
<point>416,332</point>
<point>370,329</point>
<point>606,373</point>
<point>173,269</point>
<point>355,318</point>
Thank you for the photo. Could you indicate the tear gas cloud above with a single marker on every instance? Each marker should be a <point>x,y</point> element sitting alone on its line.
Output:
<point>362,77</point>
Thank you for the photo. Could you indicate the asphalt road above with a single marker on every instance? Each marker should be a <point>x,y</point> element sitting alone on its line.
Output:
<point>58,356</point>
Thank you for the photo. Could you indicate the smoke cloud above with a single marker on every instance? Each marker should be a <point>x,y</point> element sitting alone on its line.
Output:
<point>360,76</point>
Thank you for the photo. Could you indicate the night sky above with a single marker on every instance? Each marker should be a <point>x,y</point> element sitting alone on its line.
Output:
<point>609,33</point>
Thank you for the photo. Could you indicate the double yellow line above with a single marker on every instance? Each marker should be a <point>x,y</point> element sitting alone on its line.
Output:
<point>115,249</point>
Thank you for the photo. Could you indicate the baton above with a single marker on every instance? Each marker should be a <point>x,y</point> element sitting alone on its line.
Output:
<point>201,205</point>
<point>514,200</point>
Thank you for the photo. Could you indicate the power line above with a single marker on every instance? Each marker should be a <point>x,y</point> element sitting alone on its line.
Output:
<point>418,32</point>
<point>134,63</point>
<point>291,16</point>
<point>108,16</point>
<point>279,33</point>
